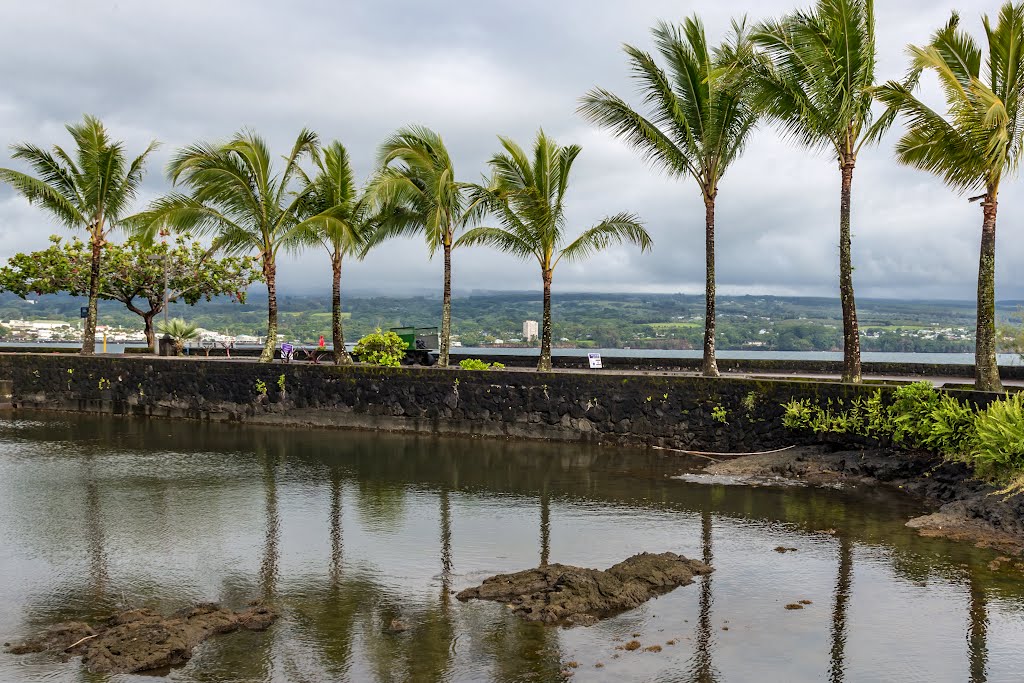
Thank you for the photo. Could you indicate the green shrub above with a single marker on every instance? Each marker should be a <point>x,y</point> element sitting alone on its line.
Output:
<point>386,349</point>
<point>477,364</point>
<point>999,437</point>
<point>912,406</point>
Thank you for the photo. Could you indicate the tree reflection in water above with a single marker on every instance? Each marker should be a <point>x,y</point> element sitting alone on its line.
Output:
<point>703,668</point>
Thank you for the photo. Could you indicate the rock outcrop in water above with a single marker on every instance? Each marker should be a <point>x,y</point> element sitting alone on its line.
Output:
<point>563,594</point>
<point>142,640</point>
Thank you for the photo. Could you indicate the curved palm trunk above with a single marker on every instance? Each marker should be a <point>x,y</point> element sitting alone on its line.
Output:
<point>446,306</point>
<point>710,364</point>
<point>545,335</point>
<point>341,356</point>
<point>270,275</point>
<point>986,368</point>
<point>89,333</point>
<point>851,333</point>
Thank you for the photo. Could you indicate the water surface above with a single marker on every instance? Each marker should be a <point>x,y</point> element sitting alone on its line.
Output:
<point>346,531</point>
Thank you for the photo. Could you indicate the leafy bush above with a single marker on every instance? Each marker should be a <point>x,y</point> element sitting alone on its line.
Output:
<point>999,436</point>
<point>180,332</point>
<point>386,349</point>
<point>991,440</point>
<point>477,364</point>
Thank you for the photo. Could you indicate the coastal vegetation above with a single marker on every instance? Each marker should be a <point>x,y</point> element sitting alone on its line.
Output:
<point>91,189</point>
<point>527,196</point>
<point>814,77</point>
<point>341,221</point>
<point>810,73</point>
<point>976,143</point>
<point>381,348</point>
<point>143,276</point>
<point>698,122</point>
<point>918,417</point>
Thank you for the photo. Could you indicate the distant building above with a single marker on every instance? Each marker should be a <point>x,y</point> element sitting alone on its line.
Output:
<point>530,330</point>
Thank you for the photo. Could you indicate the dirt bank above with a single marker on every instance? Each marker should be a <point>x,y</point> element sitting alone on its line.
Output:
<point>563,594</point>
<point>968,509</point>
<point>142,640</point>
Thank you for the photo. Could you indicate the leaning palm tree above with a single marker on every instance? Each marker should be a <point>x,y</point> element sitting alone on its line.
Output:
<point>91,191</point>
<point>341,221</point>
<point>237,195</point>
<point>528,199</point>
<point>814,78</point>
<point>976,144</point>
<point>697,123</point>
<point>415,191</point>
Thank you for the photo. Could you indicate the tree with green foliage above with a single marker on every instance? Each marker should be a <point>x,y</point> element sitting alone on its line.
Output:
<point>341,220</point>
<point>91,190</point>
<point>416,192</point>
<point>815,77</point>
<point>697,123</point>
<point>238,196</point>
<point>976,144</point>
<point>134,273</point>
<point>528,198</point>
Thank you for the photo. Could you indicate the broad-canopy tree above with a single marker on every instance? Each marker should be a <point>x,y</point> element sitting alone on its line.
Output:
<point>976,143</point>
<point>238,196</point>
<point>527,197</point>
<point>133,273</point>
<point>814,77</point>
<point>695,122</point>
<point>91,188</point>
<point>416,192</point>
<point>340,219</point>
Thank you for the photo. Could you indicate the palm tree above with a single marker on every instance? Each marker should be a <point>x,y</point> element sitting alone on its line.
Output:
<point>416,192</point>
<point>698,122</point>
<point>339,220</point>
<point>975,144</point>
<point>237,195</point>
<point>91,191</point>
<point>180,332</point>
<point>815,78</point>
<point>528,200</point>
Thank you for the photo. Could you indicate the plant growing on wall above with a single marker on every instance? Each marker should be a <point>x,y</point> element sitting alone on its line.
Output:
<point>386,349</point>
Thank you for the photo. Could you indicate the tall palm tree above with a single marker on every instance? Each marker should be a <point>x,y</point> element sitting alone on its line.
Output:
<point>697,123</point>
<point>416,192</point>
<point>340,220</point>
<point>90,191</point>
<point>239,197</point>
<point>528,199</point>
<point>815,77</point>
<point>976,143</point>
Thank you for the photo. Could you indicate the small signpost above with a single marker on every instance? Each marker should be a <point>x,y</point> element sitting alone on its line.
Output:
<point>83,312</point>
<point>286,352</point>
<point>595,361</point>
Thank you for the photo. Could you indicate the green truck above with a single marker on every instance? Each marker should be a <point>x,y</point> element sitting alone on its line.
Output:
<point>422,344</point>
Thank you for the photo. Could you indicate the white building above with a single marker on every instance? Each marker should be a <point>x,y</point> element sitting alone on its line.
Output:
<point>530,329</point>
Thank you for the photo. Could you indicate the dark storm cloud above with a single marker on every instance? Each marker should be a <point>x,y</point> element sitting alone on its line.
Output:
<point>184,71</point>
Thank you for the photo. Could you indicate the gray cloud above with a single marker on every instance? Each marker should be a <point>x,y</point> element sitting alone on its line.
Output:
<point>189,70</point>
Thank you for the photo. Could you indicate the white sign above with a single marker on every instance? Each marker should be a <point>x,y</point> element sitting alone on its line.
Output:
<point>595,361</point>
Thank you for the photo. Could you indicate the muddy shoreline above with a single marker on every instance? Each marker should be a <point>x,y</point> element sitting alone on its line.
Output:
<point>966,509</point>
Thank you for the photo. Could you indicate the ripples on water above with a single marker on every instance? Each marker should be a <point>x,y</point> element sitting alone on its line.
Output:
<point>346,531</point>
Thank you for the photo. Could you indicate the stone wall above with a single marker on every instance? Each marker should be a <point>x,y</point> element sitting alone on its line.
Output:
<point>674,411</point>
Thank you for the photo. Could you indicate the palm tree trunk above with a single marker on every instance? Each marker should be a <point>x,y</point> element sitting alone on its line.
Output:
<point>89,334</point>
<point>446,306</point>
<point>710,364</point>
<point>851,333</point>
<point>341,356</point>
<point>270,275</point>
<point>986,368</point>
<point>545,334</point>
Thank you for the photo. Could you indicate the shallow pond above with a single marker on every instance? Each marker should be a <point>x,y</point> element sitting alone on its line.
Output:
<point>346,531</point>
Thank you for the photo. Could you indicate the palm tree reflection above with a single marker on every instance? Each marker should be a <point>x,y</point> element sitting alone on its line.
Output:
<point>844,581</point>
<point>703,669</point>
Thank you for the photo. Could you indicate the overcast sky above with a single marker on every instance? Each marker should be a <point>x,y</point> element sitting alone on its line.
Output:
<point>183,71</point>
